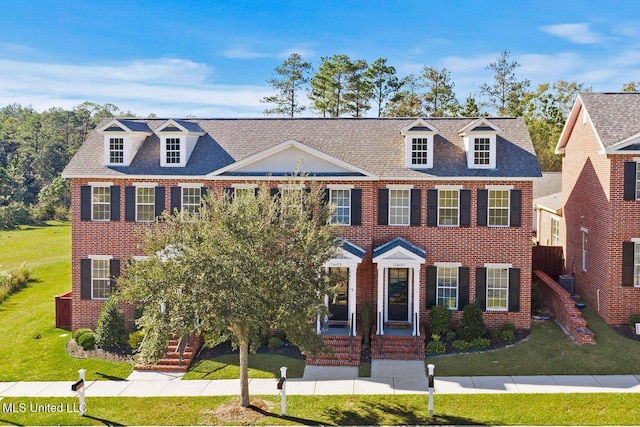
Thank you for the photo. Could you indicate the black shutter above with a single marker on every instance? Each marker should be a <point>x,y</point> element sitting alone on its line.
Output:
<point>416,208</point>
<point>114,272</point>
<point>176,199</point>
<point>514,289</point>
<point>85,203</point>
<point>465,208</point>
<point>432,278</point>
<point>356,206</point>
<point>274,192</point>
<point>160,203</point>
<point>481,287</point>
<point>229,193</point>
<point>463,287</point>
<point>115,203</point>
<point>482,208</point>
<point>130,203</point>
<point>515,208</point>
<point>628,249</point>
<point>204,191</point>
<point>383,206</point>
<point>630,180</point>
<point>432,208</point>
<point>85,278</point>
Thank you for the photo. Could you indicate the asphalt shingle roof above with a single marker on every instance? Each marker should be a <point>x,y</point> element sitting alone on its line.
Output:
<point>374,145</point>
<point>615,116</point>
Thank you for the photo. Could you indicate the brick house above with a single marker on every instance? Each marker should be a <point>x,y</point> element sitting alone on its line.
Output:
<point>600,148</point>
<point>430,209</point>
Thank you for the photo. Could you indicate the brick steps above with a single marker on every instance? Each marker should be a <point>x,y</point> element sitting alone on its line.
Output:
<point>343,354</point>
<point>171,362</point>
<point>397,347</point>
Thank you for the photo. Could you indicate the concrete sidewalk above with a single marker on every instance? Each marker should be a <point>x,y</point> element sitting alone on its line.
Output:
<point>154,384</point>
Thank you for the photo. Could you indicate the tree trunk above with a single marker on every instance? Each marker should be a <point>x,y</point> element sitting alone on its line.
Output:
<point>244,372</point>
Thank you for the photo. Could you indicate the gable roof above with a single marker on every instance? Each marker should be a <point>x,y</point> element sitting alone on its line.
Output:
<point>373,145</point>
<point>614,117</point>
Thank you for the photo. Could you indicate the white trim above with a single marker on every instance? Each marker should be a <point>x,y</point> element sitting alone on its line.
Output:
<point>244,186</point>
<point>343,188</point>
<point>399,186</point>
<point>419,122</point>
<point>497,265</point>
<point>100,257</point>
<point>190,185</point>
<point>635,239</point>
<point>447,264</point>
<point>498,187</point>
<point>140,257</point>
<point>478,122</point>
<point>299,186</point>
<point>100,184</point>
<point>145,184</point>
<point>585,229</point>
<point>449,187</point>
<point>340,186</point>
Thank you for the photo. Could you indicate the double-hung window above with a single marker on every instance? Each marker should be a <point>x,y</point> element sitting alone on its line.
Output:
<point>497,288</point>
<point>419,151</point>
<point>498,208</point>
<point>636,264</point>
<point>481,151</point>
<point>340,199</point>
<point>116,150</point>
<point>172,147</point>
<point>291,199</point>
<point>100,278</point>
<point>100,203</point>
<point>447,287</point>
<point>145,204</point>
<point>399,206</point>
<point>448,207</point>
<point>584,248</point>
<point>555,232</point>
<point>191,200</point>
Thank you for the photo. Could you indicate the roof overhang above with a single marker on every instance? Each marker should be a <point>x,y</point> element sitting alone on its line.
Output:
<point>398,252</point>
<point>570,123</point>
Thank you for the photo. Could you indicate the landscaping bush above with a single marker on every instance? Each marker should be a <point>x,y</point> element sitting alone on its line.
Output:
<point>13,281</point>
<point>494,334</point>
<point>274,343</point>
<point>508,332</point>
<point>481,343</point>
<point>633,319</point>
<point>440,318</point>
<point>87,341</point>
<point>451,335</point>
<point>76,334</point>
<point>110,329</point>
<point>435,346</point>
<point>472,324</point>
<point>135,339</point>
<point>365,316</point>
<point>461,345</point>
<point>13,215</point>
<point>537,297</point>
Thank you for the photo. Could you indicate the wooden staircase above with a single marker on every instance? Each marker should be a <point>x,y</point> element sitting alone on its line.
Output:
<point>397,347</point>
<point>172,362</point>
<point>346,351</point>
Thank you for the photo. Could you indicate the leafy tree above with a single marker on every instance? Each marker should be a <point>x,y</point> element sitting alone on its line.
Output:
<point>507,94</point>
<point>242,266</point>
<point>329,84</point>
<point>439,99</point>
<point>292,74</point>
<point>384,83</point>
<point>110,329</point>
<point>471,108</point>
<point>408,101</point>
<point>359,89</point>
<point>631,87</point>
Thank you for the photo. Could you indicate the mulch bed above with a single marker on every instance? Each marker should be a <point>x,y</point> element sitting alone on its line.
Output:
<point>626,331</point>
<point>287,350</point>
<point>114,355</point>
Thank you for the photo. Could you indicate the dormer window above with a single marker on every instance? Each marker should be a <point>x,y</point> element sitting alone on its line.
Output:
<point>419,144</point>
<point>122,140</point>
<point>480,143</point>
<point>116,151</point>
<point>178,138</point>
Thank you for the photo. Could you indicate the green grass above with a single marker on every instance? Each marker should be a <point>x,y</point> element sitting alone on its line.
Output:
<point>505,409</point>
<point>32,348</point>
<point>227,366</point>
<point>549,351</point>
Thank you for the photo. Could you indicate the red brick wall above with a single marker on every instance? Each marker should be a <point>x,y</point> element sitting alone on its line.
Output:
<point>592,185</point>
<point>472,246</point>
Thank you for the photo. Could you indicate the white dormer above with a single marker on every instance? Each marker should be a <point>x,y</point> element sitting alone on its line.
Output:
<point>178,138</point>
<point>122,139</point>
<point>480,143</point>
<point>418,143</point>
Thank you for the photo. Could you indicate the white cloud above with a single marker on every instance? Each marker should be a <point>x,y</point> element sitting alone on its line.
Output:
<point>576,33</point>
<point>241,52</point>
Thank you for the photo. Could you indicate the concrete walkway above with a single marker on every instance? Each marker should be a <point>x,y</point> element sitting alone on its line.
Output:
<point>141,384</point>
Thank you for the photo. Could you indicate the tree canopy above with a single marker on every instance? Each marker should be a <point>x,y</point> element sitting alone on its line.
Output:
<point>244,265</point>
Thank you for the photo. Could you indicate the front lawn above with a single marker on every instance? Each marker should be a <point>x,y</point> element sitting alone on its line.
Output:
<point>32,348</point>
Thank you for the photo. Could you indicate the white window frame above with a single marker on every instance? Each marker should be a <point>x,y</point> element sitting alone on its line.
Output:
<point>426,154</point>
<point>585,242</point>
<point>100,259</point>
<point>169,154</point>
<point>637,180</point>
<point>448,266</point>
<point>470,143</point>
<point>190,208</point>
<point>394,206</point>
<point>449,208</point>
<point>555,231</point>
<point>346,209</point>
<point>120,151</point>
<point>152,204</point>
<point>107,189</point>
<point>284,189</point>
<point>491,287</point>
<point>499,208</point>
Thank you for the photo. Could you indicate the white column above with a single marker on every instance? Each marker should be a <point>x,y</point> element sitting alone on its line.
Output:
<point>380,307</point>
<point>352,299</point>
<point>326,304</point>
<point>416,301</point>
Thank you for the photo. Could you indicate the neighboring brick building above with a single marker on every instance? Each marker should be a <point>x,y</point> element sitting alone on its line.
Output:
<point>430,209</point>
<point>600,147</point>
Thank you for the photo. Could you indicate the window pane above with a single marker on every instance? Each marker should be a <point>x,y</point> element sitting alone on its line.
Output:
<point>448,207</point>
<point>499,208</point>
<point>100,278</point>
<point>341,201</point>
<point>101,203</point>
<point>497,288</point>
<point>481,151</point>
<point>419,151</point>
<point>173,150</point>
<point>636,264</point>
<point>116,150</point>
<point>447,287</point>
<point>145,206</point>
<point>190,200</point>
<point>399,207</point>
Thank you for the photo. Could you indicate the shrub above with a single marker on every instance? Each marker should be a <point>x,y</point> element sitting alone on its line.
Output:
<point>494,333</point>
<point>440,318</point>
<point>472,324</point>
<point>435,346</point>
<point>508,332</point>
<point>461,345</point>
<point>633,319</point>
<point>451,335</point>
<point>135,339</point>
<point>274,343</point>
<point>537,297</point>
<point>110,330</point>
<point>61,213</point>
<point>87,341</point>
<point>13,215</point>
<point>13,281</point>
<point>480,343</point>
<point>365,316</point>
<point>76,334</point>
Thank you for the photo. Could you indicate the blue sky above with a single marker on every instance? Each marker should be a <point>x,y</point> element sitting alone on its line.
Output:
<point>212,58</point>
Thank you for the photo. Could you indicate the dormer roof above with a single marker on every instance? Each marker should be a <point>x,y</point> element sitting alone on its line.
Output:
<point>124,125</point>
<point>419,126</point>
<point>173,125</point>
<point>482,125</point>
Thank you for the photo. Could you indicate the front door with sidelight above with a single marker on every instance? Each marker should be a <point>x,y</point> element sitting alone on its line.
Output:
<point>398,294</point>
<point>339,302</point>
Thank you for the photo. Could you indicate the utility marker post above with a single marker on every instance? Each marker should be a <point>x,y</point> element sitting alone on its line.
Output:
<point>282,386</point>
<point>79,387</point>
<point>431,388</point>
